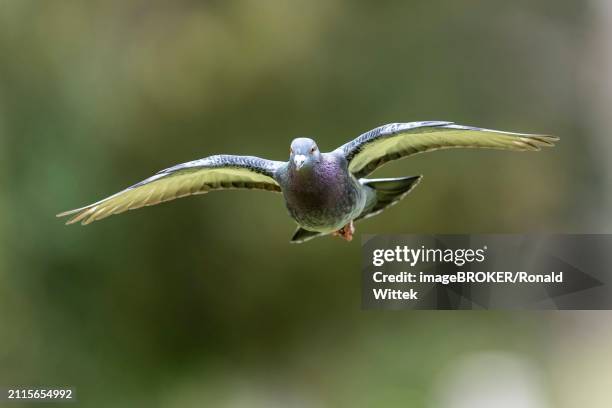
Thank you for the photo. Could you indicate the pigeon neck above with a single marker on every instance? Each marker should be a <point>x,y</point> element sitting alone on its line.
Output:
<point>305,173</point>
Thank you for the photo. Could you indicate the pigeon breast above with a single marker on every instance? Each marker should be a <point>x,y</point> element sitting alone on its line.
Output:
<point>323,197</point>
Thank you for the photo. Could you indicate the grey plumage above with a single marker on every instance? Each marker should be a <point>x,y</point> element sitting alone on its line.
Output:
<point>381,194</point>
<point>323,192</point>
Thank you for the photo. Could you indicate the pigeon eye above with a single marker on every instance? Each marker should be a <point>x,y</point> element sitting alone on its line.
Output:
<point>290,150</point>
<point>314,149</point>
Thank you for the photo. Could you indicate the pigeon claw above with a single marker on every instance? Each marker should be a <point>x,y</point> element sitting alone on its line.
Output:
<point>346,232</point>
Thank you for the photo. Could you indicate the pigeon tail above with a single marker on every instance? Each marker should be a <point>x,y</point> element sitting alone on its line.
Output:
<point>388,191</point>
<point>302,235</point>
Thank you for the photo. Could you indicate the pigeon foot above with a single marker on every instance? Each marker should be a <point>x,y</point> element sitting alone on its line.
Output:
<point>346,232</point>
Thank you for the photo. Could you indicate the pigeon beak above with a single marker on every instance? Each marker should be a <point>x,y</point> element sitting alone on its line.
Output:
<point>299,160</point>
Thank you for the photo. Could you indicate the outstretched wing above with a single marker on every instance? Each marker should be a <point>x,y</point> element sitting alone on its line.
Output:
<point>195,177</point>
<point>397,140</point>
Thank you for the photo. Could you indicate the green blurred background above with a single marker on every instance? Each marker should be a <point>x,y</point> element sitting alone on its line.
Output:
<point>203,302</point>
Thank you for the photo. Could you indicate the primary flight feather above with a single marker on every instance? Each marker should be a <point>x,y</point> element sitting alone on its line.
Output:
<point>324,192</point>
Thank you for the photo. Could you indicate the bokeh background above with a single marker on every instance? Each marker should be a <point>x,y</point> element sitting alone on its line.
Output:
<point>203,302</point>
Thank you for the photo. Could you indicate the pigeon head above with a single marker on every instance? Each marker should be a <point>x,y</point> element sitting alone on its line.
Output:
<point>303,153</point>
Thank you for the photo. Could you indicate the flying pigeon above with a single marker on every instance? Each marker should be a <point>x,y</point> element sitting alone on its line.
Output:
<point>325,193</point>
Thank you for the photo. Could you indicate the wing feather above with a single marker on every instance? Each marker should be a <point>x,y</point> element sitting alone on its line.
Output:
<point>196,177</point>
<point>398,140</point>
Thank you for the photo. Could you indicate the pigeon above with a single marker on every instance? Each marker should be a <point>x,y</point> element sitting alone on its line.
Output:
<point>325,193</point>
